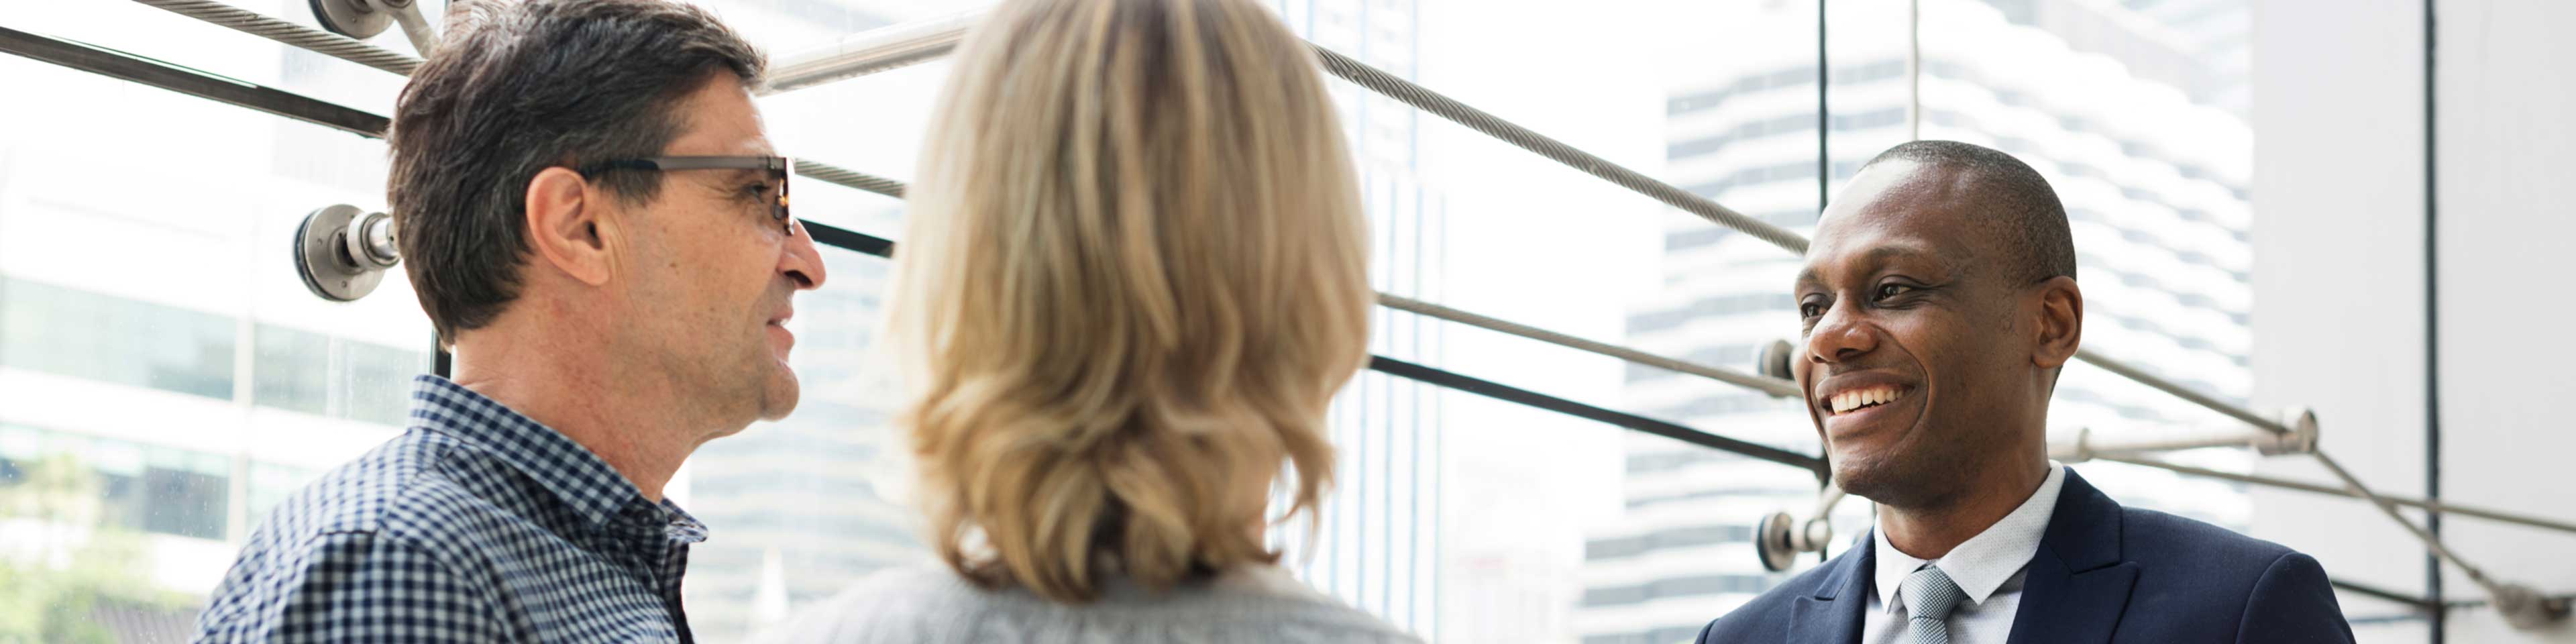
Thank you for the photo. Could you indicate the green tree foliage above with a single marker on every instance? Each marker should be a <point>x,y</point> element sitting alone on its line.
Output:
<point>63,562</point>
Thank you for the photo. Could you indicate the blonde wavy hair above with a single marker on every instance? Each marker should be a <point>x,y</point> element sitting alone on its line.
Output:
<point>1135,274</point>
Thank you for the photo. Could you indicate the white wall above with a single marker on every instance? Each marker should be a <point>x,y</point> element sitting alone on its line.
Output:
<point>2505,151</point>
<point>2338,278</point>
<point>2339,281</point>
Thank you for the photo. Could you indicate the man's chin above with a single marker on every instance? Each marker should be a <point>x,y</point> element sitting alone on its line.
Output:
<point>779,398</point>
<point>1868,475</point>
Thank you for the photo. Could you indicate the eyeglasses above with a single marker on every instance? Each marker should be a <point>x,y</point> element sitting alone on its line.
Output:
<point>777,168</point>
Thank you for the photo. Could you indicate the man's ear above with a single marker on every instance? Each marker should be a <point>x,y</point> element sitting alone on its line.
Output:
<point>564,220</point>
<point>2061,322</point>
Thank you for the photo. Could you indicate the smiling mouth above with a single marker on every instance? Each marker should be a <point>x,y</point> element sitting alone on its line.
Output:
<point>1865,398</point>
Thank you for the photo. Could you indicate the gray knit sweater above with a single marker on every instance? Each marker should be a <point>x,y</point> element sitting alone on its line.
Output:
<point>930,603</point>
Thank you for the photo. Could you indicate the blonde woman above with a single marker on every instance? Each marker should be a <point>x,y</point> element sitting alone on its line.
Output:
<point>1135,274</point>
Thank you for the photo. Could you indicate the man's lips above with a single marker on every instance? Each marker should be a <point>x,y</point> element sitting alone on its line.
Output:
<point>777,328</point>
<point>1848,390</point>
<point>1859,402</point>
<point>786,339</point>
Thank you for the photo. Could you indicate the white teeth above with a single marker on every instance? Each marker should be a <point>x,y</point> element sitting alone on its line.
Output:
<point>1847,401</point>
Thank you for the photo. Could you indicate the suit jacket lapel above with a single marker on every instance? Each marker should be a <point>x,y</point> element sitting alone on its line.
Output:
<point>2077,585</point>
<point>1832,614</point>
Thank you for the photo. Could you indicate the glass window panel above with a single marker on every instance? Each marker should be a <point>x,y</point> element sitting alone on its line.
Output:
<point>270,484</point>
<point>289,370</point>
<point>1867,93</point>
<point>154,340</point>
<point>374,379</point>
<point>1711,99</point>
<point>2136,113</point>
<point>155,33</point>
<point>786,28</point>
<point>19,450</point>
<point>82,334</point>
<point>324,375</point>
<point>811,503</point>
<point>184,503</point>
<point>1719,98</point>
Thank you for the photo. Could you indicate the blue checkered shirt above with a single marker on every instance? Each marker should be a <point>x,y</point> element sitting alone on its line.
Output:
<point>477,525</point>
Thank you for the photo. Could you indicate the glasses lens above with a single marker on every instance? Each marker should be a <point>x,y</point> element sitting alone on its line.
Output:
<point>779,211</point>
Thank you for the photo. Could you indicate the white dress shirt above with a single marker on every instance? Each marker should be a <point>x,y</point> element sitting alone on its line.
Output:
<point>1988,568</point>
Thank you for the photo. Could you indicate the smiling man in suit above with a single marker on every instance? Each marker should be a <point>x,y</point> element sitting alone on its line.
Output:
<point>1939,303</point>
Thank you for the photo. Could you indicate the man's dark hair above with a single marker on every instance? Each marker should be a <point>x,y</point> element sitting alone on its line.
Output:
<point>516,87</point>
<point>2016,204</point>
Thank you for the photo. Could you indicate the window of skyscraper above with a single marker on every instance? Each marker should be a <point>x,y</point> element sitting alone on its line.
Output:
<point>67,331</point>
<point>2153,160</point>
<point>324,375</point>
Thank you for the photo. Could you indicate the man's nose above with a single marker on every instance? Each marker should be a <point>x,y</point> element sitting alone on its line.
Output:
<point>1839,336</point>
<point>803,262</point>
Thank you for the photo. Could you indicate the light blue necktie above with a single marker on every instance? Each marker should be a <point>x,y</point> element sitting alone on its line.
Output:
<point>1929,596</point>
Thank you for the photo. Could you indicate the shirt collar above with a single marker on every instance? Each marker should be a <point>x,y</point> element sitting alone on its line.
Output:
<point>1984,562</point>
<point>565,468</point>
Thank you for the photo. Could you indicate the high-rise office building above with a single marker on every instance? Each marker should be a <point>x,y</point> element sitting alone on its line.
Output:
<point>799,508</point>
<point>1377,539</point>
<point>165,379</point>
<point>2159,215</point>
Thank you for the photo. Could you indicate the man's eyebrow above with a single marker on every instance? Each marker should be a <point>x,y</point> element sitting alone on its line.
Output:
<point>1895,250</point>
<point>1874,256</point>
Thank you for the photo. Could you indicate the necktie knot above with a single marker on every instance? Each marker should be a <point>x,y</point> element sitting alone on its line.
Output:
<point>1930,594</point>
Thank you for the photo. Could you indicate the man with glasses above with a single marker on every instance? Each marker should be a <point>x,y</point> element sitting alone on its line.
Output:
<point>597,225</point>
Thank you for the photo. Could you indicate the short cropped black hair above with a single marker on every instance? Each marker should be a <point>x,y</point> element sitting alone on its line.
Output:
<point>2016,204</point>
<point>516,87</point>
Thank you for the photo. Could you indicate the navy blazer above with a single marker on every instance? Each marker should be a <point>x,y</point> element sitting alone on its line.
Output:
<point>2103,573</point>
